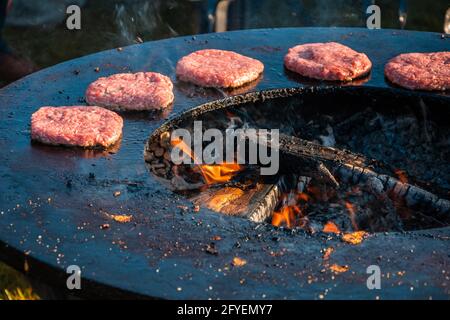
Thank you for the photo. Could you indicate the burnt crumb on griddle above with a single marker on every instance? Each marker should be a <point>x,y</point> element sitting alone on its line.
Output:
<point>211,249</point>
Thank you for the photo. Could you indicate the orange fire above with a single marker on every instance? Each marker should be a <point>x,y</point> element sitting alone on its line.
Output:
<point>219,173</point>
<point>331,227</point>
<point>352,212</point>
<point>402,176</point>
<point>211,173</point>
<point>303,196</point>
<point>286,216</point>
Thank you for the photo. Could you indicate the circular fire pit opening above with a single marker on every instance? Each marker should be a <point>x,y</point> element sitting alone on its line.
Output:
<point>351,159</point>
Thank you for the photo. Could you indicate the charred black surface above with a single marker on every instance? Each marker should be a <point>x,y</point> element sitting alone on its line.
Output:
<point>53,200</point>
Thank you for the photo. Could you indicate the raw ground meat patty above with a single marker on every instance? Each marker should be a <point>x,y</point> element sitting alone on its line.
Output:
<point>218,68</point>
<point>327,61</point>
<point>131,91</point>
<point>420,71</point>
<point>76,126</point>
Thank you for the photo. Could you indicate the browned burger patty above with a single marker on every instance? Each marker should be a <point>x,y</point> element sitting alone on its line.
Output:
<point>420,71</point>
<point>218,68</point>
<point>76,126</point>
<point>327,61</point>
<point>131,91</point>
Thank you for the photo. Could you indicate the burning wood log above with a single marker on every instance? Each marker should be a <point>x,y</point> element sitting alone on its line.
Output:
<point>307,159</point>
<point>256,204</point>
<point>310,159</point>
<point>381,183</point>
<point>313,154</point>
<point>263,206</point>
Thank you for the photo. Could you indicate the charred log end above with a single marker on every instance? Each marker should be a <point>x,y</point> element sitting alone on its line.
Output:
<point>256,204</point>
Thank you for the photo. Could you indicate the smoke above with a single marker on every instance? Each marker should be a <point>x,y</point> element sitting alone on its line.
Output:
<point>141,20</point>
<point>29,13</point>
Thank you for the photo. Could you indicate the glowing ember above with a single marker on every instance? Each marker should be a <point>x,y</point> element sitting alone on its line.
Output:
<point>327,253</point>
<point>331,227</point>
<point>303,196</point>
<point>239,262</point>
<point>219,173</point>
<point>122,218</point>
<point>401,174</point>
<point>225,196</point>
<point>339,269</point>
<point>354,237</point>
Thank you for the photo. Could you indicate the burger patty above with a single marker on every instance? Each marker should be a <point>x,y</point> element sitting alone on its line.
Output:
<point>131,91</point>
<point>420,71</point>
<point>327,61</point>
<point>76,126</point>
<point>218,68</point>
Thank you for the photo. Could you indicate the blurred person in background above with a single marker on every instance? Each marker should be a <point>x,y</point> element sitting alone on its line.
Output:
<point>36,28</point>
<point>12,66</point>
<point>21,14</point>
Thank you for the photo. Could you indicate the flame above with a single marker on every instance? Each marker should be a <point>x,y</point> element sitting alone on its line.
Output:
<point>352,212</point>
<point>402,176</point>
<point>286,216</point>
<point>331,227</point>
<point>303,196</point>
<point>180,144</point>
<point>290,212</point>
<point>219,173</point>
<point>211,173</point>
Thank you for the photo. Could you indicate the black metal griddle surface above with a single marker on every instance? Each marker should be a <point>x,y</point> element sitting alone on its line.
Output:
<point>52,200</point>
